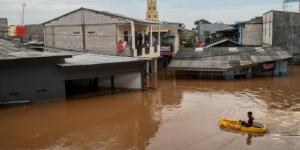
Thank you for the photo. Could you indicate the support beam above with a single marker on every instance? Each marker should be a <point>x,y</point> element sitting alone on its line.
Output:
<point>151,34</point>
<point>112,82</point>
<point>133,39</point>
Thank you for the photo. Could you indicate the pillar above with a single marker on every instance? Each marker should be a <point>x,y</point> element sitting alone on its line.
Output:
<point>229,75</point>
<point>143,49</point>
<point>155,65</point>
<point>249,74</point>
<point>151,34</point>
<point>133,39</point>
<point>112,82</point>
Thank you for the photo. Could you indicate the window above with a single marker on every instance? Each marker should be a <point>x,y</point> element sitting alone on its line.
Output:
<point>76,32</point>
<point>149,16</point>
<point>154,16</point>
<point>153,7</point>
<point>149,7</point>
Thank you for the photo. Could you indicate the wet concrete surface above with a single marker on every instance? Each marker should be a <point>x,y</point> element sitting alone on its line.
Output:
<point>179,115</point>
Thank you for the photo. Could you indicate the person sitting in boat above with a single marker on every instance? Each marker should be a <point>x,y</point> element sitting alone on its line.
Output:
<point>250,120</point>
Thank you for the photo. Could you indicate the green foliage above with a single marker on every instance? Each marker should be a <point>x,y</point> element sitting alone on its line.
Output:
<point>188,41</point>
<point>204,21</point>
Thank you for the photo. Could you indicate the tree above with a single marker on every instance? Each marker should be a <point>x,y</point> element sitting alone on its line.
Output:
<point>204,21</point>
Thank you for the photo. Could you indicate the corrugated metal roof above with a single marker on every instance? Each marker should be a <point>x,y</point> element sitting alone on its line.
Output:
<point>10,51</point>
<point>225,58</point>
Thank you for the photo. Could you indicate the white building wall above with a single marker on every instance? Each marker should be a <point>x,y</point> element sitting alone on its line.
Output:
<point>130,81</point>
<point>127,81</point>
<point>268,28</point>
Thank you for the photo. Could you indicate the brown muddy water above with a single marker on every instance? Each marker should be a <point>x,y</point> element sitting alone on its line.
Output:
<point>179,115</point>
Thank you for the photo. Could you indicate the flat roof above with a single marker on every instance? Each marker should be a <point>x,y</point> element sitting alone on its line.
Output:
<point>11,51</point>
<point>90,59</point>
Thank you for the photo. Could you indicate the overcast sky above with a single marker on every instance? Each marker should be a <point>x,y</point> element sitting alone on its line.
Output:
<point>185,11</point>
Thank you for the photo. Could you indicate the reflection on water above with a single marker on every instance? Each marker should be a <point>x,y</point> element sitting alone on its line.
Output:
<point>179,114</point>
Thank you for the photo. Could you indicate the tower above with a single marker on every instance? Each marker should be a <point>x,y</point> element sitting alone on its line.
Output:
<point>152,13</point>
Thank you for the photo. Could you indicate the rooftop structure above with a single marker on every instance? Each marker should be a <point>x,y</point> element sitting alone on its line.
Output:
<point>225,43</point>
<point>228,60</point>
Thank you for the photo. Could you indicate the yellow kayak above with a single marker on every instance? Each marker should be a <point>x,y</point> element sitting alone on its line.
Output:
<point>235,125</point>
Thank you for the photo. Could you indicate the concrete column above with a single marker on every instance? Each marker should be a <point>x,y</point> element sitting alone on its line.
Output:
<point>229,75</point>
<point>151,34</point>
<point>44,34</point>
<point>249,74</point>
<point>143,49</point>
<point>133,39</point>
<point>158,42</point>
<point>147,67</point>
<point>147,74</point>
<point>112,82</point>
<point>155,65</point>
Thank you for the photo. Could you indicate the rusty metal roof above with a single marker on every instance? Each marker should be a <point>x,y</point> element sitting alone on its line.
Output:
<point>225,58</point>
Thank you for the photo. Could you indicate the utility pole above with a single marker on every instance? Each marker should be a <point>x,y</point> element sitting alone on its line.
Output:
<point>23,10</point>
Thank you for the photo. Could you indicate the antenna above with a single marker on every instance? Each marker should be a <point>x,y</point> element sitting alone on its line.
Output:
<point>23,10</point>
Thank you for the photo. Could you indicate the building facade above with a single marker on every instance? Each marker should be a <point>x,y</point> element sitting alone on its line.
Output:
<point>251,32</point>
<point>3,27</point>
<point>205,29</point>
<point>282,29</point>
<point>152,12</point>
<point>31,76</point>
<point>88,30</point>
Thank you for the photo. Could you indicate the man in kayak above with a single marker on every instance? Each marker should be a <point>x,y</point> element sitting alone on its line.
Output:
<point>250,120</point>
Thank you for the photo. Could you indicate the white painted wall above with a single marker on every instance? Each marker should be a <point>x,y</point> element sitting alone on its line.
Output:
<point>268,28</point>
<point>127,81</point>
<point>130,81</point>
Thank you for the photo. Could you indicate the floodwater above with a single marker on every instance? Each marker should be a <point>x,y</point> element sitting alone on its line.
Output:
<point>179,115</point>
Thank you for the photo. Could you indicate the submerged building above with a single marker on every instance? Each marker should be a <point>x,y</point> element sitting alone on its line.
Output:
<point>31,76</point>
<point>230,62</point>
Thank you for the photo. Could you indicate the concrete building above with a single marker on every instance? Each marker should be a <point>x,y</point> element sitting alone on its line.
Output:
<point>27,75</point>
<point>282,29</point>
<point>251,32</point>
<point>3,27</point>
<point>88,30</point>
<point>230,62</point>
